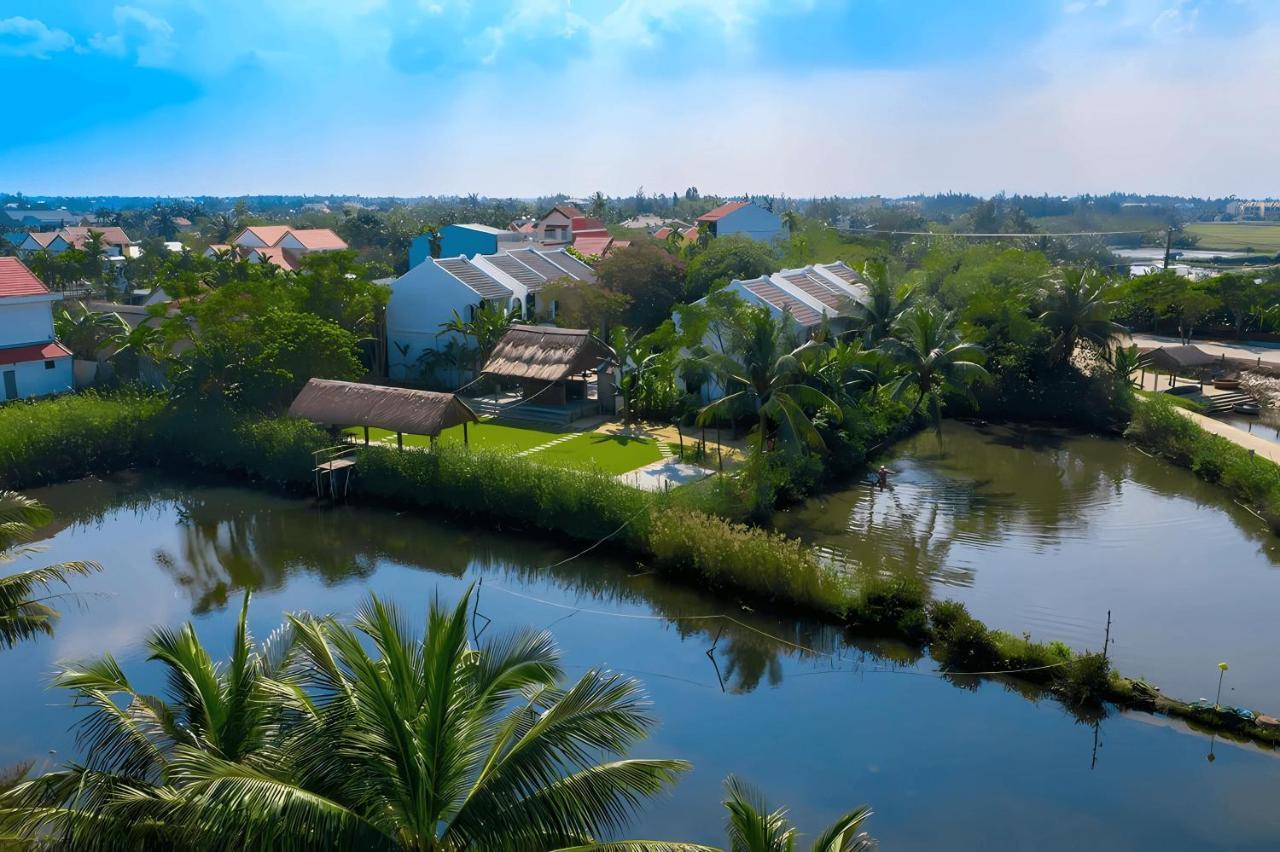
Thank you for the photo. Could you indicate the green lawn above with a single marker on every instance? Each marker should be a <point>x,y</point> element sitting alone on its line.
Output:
<point>1263,237</point>
<point>489,435</point>
<point>610,453</point>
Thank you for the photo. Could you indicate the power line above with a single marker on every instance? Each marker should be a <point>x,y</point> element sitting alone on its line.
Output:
<point>1040,234</point>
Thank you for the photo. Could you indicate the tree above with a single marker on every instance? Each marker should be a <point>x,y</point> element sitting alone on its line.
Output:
<point>876,316</point>
<point>137,344</point>
<point>651,279</point>
<point>1076,309</point>
<point>752,827</point>
<point>487,325</point>
<point>599,206</point>
<point>24,596</point>
<point>85,332</point>
<point>927,349</point>
<point>725,259</point>
<point>368,736</point>
<point>1192,304</point>
<point>769,373</point>
<point>646,369</point>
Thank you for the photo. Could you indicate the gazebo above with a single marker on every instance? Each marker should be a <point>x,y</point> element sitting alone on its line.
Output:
<point>553,364</point>
<point>399,410</point>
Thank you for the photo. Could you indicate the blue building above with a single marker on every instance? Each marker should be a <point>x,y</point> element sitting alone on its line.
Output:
<point>466,240</point>
<point>745,218</point>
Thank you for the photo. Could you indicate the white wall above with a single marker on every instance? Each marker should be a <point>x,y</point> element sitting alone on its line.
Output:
<point>26,319</point>
<point>422,299</point>
<point>35,380</point>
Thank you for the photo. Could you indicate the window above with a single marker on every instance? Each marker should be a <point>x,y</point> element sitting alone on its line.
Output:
<point>49,365</point>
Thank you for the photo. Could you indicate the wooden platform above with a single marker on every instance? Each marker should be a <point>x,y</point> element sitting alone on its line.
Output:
<point>336,464</point>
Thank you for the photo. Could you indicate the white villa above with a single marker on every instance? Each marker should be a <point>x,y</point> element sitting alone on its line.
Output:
<point>428,295</point>
<point>32,362</point>
<point>115,242</point>
<point>809,296</point>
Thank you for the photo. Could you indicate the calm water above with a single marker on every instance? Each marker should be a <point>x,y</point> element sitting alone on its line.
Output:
<point>1265,424</point>
<point>945,764</point>
<point>1044,530</point>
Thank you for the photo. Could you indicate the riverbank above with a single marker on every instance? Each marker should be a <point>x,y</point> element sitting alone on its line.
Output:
<point>673,533</point>
<point>1179,436</point>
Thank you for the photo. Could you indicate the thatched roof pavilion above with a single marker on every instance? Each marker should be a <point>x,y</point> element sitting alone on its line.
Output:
<point>538,353</point>
<point>401,410</point>
<point>1174,359</point>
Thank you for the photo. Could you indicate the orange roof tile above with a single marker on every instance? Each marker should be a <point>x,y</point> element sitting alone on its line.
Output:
<point>722,211</point>
<point>318,239</point>
<point>17,280</point>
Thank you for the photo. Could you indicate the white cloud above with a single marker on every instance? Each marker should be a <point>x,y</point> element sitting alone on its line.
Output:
<point>148,36</point>
<point>28,37</point>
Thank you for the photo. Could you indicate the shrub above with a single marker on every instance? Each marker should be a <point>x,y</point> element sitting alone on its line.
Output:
<point>581,504</point>
<point>75,435</point>
<point>277,450</point>
<point>891,603</point>
<point>768,565</point>
<point>1086,681</point>
<point>1159,427</point>
<point>960,641</point>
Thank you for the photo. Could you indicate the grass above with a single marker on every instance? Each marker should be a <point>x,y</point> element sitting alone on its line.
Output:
<point>1172,399</point>
<point>490,436</point>
<point>1263,237</point>
<point>1254,480</point>
<point>609,453</point>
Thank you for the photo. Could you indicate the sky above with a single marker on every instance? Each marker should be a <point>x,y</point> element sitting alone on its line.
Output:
<point>533,97</point>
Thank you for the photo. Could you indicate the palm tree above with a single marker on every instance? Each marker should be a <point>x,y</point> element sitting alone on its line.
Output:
<point>1075,310</point>
<point>223,227</point>
<point>488,323</point>
<point>24,597</point>
<point>84,331</point>
<point>367,736</point>
<point>928,350</point>
<point>875,316</point>
<point>770,375</point>
<point>134,344</point>
<point>752,827</point>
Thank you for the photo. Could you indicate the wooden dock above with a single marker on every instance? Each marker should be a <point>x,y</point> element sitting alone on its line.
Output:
<point>334,468</point>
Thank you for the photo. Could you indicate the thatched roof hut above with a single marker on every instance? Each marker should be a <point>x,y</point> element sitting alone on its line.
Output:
<point>546,354</point>
<point>1175,359</point>
<point>413,412</point>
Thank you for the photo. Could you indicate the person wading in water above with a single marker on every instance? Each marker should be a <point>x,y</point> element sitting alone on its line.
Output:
<point>882,477</point>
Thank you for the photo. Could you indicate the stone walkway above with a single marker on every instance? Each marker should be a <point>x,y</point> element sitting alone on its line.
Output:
<point>568,436</point>
<point>664,475</point>
<point>1264,448</point>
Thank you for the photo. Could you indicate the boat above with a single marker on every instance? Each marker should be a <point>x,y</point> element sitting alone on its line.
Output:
<point>1246,408</point>
<point>1226,384</point>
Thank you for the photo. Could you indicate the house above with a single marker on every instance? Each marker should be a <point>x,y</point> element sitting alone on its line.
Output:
<point>648,221</point>
<point>217,249</point>
<point>554,366</point>
<point>428,295</point>
<point>745,218</point>
<point>45,219</point>
<point>115,242</point>
<point>32,362</point>
<point>183,224</point>
<point>810,297</point>
<point>280,244</point>
<point>555,227</point>
<point>465,240</point>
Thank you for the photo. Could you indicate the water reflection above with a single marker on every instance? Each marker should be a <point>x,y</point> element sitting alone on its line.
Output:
<point>1043,529</point>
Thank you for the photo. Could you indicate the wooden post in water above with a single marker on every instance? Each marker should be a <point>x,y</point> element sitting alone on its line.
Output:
<point>1106,641</point>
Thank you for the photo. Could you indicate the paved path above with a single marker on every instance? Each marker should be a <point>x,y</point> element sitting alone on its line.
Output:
<point>664,475</point>
<point>568,436</point>
<point>1264,448</point>
<point>1233,349</point>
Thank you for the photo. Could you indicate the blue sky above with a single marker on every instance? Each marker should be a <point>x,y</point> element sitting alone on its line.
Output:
<point>526,97</point>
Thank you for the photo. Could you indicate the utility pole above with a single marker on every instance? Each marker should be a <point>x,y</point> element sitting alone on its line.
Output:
<point>1168,245</point>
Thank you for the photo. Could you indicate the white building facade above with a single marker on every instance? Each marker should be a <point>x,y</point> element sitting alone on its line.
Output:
<point>32,362</point>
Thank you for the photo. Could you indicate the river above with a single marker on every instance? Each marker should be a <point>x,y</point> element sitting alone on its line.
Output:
<point>945,763</point>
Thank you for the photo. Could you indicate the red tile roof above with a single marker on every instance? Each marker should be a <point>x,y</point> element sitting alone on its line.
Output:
<point>722,211</point>
<point>282,258</point>
<point>662,233</point>
<point>17,280</point>
<point>43,238</point>
<point>318,239</point>
<point>269,234</point>
<point>34,352</point>
<point>111,235</point>
<point>592,244</point>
